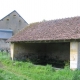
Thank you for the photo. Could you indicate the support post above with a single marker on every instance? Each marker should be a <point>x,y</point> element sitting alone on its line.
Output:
<point>78,64</point>
<point>12,50</point>
<point>73,55</point>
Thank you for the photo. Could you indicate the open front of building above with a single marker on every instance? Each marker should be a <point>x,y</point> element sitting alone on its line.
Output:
<point>57,54</point>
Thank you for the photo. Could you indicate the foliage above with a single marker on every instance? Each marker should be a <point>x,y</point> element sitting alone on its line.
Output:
<point>17,70</point>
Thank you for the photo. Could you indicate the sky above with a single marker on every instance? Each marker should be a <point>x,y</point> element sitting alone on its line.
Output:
<point>39,10</point>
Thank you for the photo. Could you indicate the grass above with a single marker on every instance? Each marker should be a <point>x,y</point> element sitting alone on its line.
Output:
<point>7,75</point>
<point>17,70</point>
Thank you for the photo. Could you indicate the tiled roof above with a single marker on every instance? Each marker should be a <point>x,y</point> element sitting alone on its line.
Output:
<point>60,29</point>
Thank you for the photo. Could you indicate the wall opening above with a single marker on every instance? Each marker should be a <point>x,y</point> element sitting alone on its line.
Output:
<point>7,19</point>
<point>56,54</point>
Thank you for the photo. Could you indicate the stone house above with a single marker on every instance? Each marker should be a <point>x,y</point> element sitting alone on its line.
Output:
<point>12,22</point>
<point>49,42</point>
<point>4,35</point>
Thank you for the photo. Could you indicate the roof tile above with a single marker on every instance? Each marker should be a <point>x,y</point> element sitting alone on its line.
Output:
<point>60,29</point>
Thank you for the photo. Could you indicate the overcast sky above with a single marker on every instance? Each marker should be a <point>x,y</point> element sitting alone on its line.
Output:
<point>38,10</point>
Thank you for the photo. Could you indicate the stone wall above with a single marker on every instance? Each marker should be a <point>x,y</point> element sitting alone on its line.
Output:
<point>23,51</point>
<point>12,22</point>
<point>4,45</point>
<point>60,51</point>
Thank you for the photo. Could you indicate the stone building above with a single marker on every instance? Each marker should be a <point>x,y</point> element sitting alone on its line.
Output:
<point>49,42</point>
<point>12,21</point>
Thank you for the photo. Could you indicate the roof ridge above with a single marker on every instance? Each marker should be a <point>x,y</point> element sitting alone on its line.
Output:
<point>20,15</point>
<point>8,14</point>
<point>65,18</point>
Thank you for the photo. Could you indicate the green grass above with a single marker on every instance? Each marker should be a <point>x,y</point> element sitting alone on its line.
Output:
<point>17,70</point>
<point>7,75</point>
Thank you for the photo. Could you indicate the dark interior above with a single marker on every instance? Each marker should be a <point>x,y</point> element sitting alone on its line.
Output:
<point>56,54</point>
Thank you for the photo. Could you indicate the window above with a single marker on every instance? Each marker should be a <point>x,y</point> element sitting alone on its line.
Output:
<point>7,19</point>
<point>14,15</point>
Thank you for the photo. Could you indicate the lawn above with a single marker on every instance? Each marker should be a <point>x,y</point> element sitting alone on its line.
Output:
<point>17,70</point>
